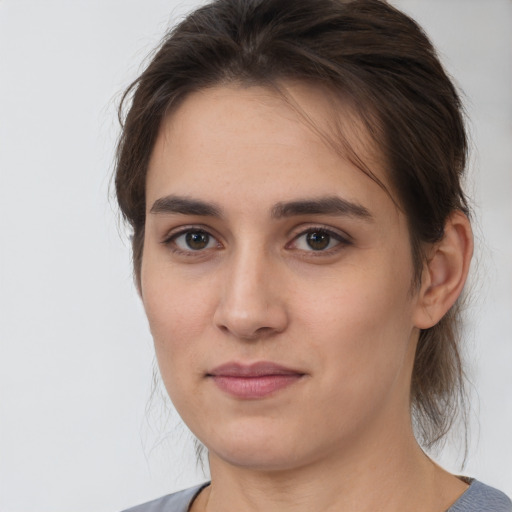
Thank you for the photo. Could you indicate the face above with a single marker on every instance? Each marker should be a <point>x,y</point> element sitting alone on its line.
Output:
<point>276,278</point>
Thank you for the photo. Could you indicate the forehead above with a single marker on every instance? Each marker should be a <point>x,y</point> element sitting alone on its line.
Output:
<point>287,142</point>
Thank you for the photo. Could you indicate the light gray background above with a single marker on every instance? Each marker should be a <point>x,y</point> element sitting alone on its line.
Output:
<point>76,356</point>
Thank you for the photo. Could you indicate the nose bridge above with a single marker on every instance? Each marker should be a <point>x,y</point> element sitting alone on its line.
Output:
<point>250,303</point>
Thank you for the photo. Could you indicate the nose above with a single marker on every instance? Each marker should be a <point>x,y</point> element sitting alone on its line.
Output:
<point>252,302</point>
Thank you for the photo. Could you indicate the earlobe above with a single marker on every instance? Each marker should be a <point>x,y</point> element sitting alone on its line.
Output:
<point>445,271</point>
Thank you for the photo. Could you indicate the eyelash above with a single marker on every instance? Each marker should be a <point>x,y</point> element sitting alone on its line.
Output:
<point>342,241</point>
<point>170,240</point>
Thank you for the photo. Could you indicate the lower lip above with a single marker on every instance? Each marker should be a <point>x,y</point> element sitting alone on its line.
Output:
<point>254,387</point>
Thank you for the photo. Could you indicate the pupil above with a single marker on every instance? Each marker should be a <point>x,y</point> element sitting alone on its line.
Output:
<point>318,241</point>
<point>197,240</point>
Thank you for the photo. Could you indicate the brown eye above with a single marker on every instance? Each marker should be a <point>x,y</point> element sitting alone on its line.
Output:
<point>191,240</point>
<point>318,240</point>
<point>197,240</point>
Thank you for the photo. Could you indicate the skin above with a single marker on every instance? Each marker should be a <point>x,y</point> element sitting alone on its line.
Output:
<point>346,317</point>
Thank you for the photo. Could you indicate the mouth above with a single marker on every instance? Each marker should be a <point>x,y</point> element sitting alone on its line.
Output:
<point>254,381</point>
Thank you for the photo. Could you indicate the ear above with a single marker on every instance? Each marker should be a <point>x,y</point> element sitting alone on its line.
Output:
<point>445,271</point>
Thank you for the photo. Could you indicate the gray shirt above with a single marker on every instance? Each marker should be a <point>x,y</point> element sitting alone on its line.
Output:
<point>477,498</point>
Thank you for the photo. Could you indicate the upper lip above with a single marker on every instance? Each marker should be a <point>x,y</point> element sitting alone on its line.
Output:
<point>258,369</point>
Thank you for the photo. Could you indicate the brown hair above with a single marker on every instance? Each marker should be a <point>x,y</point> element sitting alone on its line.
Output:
<point>363,50</point>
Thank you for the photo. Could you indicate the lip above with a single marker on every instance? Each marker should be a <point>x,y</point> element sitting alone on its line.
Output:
<point>253,381</point>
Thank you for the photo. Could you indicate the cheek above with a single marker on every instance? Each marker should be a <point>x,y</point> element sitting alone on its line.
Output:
<point>178,315</point>
<point>359,299</point>
<point>362,328</point>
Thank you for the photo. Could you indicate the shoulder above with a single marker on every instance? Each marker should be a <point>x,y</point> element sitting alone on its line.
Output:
<point>176,502</point>
<point>480,497</point>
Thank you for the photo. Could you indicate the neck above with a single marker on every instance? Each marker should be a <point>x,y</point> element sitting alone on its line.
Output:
<point>388,474</point>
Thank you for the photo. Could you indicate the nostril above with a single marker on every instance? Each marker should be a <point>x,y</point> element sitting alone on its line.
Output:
<point>262,331</point>
<point>248,310</point>
<point>244,333</point>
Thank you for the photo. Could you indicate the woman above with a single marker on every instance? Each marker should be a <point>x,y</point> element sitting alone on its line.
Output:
<point>291,172</point>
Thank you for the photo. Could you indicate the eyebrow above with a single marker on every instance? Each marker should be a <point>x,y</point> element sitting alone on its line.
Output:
<point>330,205</point>
<point>185,206</point>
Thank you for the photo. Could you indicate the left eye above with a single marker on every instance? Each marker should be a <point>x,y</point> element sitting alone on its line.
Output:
<point>317,240</point>
<point>197,240</point>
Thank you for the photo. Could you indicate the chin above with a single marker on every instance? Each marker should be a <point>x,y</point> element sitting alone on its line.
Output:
<point>259,459</point>
<point>259,449</point>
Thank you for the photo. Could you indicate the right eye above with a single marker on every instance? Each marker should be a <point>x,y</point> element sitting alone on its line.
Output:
<point>192,240</point>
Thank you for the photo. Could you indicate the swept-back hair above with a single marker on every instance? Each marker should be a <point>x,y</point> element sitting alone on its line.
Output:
<point>375,59</point>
